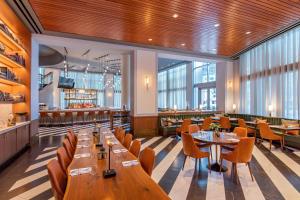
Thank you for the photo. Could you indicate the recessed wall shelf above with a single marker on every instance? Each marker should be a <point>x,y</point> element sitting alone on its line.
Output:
<point>9,42</point>
<point>9,82</point>
<point>11,102</point>
<point>9,62</point>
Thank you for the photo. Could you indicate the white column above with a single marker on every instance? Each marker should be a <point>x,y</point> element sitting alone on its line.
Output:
<point>34,82</point>
<point>145,79</point>
<point>189,84</point>
<point>109,91</point>
<point>125,71</point>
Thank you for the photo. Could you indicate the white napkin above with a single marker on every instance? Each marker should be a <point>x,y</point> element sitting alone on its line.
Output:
<point>83,155</point>
<point>79,146</point>
<point>84,139</point>
<point>84,170</point>
<point>130,163</point>
<point>233,140</point>
<point>120,150</point>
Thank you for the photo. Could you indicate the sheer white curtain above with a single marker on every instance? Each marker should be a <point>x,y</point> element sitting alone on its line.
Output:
<point>270,76</point>
<point>177,87</point>
<point>117,91</point>
<point>172,88</point>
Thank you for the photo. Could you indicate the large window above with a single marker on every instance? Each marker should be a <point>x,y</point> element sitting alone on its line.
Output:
<point>117,91</point>
<point>204,81</point>
<point>172,88</point>
<point>270,77</point>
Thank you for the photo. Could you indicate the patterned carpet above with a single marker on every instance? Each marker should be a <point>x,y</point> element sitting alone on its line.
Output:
<point>276,173</point>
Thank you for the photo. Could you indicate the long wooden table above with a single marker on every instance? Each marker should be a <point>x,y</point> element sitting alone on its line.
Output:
<point>129,183</point>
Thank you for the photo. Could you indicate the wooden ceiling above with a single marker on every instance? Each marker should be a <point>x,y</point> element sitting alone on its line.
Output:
<point>193,30</point>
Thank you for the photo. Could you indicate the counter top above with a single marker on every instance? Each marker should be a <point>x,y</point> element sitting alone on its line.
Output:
<point>80,109</point>
<point>6,129</point>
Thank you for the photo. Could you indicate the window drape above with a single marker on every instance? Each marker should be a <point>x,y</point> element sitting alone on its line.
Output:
<point>117,91</point>
<point>269,75</point>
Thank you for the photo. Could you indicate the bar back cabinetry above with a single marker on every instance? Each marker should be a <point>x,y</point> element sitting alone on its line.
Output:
<point>12,142</point>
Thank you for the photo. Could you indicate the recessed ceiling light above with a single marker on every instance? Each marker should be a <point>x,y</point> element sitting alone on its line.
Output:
<point>248,32</point>
<point>216,25</point>
<point>175,15</point>
<point>182,44</point>
<point>150,39</point>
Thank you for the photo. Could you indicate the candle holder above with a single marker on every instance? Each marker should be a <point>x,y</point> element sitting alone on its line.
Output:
<point>109,172</point>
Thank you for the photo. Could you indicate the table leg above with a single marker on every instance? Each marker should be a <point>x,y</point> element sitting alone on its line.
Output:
<point>216,166</point>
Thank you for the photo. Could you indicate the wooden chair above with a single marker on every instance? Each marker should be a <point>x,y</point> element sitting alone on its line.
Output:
<point>242,123</point>
<point>56,118</point>
<point>127,140</point>
<point>193,128</point>
<point>184,128</point>
<point>63,158</point>
<point>191,149</point>
<point>242,153</point>
<point>268,134</point>
<point>135,148</point>
<point>80,117</point>
<point>206,124</point>
<point>58,179</point>
<point>225,123</point>
<point>117,130</point>
<point>68,148</point>
<point>68,119</point>
<point>147,159</point>
<point>44,119</point>
<point>91,117</point>
<point>120,136</point>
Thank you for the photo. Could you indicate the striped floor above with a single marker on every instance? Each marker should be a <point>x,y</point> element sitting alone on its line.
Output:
<point>276,173</point>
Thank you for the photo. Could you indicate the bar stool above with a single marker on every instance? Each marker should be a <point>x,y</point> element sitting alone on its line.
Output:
<point>68,118</point>
<point>44,119</point>
<point>80,117</point>
<point>100,115</point>
<point>56,118</point>
<point>91,116</point>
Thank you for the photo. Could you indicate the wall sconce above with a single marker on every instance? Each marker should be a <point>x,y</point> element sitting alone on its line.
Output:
<point>229,84</point>
<point>270,109</point>
<point>109,94</point>
<point>147,82</point>
<point>233,107</point>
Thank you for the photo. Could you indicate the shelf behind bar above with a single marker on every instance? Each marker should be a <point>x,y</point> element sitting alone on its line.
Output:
<point>9,82</point>
<point>9,42</point>
<point>9,62</point>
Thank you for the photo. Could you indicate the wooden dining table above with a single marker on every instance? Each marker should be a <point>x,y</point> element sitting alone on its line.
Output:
<point>284,130</point>
<point>129,183</point>
<point>210,137</point>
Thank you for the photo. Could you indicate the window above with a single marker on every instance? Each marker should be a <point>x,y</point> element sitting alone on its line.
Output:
<point>117,91</point>
<point>269,75</point>
<point>204,81</point>
<point>172,88</point>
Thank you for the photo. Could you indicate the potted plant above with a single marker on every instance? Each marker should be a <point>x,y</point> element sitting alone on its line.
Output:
<point>215,127</point>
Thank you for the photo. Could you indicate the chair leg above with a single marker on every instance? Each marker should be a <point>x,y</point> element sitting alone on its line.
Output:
<point>210,152</point>
<point>221,161</point>
<point>250,171</point>
<point>184,162</point>
<point>281,144</point>
<point>236,173</point>
<point>270,144</point>
<point>209,165</point>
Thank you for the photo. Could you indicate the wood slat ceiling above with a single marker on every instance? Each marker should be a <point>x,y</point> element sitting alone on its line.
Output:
<point>136,21</point>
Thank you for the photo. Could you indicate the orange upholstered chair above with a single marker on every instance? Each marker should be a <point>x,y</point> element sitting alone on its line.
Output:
<point>127,141</point>
<point>120,136</point>
<point>135,148</point>
<point>58,179</point>
<point>240,131</point>
<point>117,130</point>
<point>206,124</point>
<point>184,128</point>
<point>72,140</point>
<point>268,134</point>
<point>191,149</point>
<point>241,154</point>
<point>63,158</point>
<point>147,158</point>
<point>193,128</point>
<point>242,123</point>
<point>225,123</point>
<point>67,145</point>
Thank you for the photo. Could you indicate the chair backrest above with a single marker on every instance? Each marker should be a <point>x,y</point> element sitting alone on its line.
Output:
<point>264,130</point>
<point>72,140</point>
<point>240,131</point>
<point>135,148</point>
<point>68,147</point>
<point>127,140</point>
<point>245,149</point>
<point>147,158</point>
<point>68,114</point>
<point>206,124</point>
<point>193,128</point>
<point>63,158</point>
<point>56,114</point>
<point>58,179</point>
<point>120,136</point>
<point>242,123</point>
<point>80,114</point>
<point>188,144</point>
<point>185,125</point>
<point>225,122</point>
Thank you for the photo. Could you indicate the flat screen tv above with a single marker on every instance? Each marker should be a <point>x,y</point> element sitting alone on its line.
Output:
<point>66,83</point>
